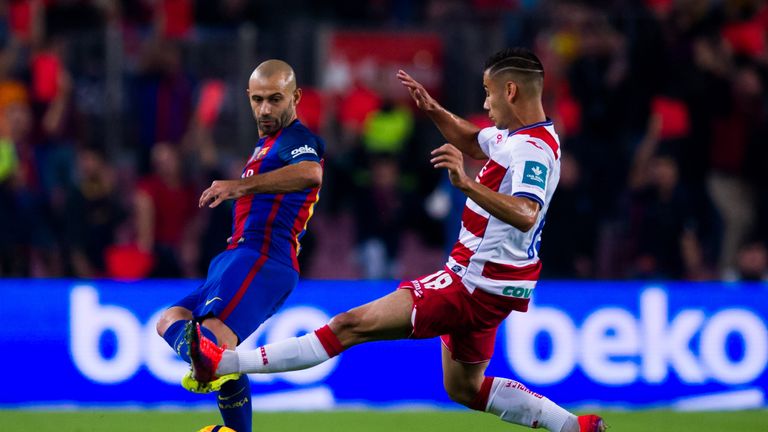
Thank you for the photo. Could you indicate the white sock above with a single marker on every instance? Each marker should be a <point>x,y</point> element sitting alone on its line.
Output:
<point>288,355</point>
<point>514,403</point>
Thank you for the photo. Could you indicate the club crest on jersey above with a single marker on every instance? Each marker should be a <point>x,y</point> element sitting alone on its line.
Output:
<point>535,174</point>
<point>302,150</point>
<point>259,152</point>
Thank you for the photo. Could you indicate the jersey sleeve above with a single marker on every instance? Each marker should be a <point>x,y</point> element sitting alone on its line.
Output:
<point>531,169</point>
<point>486,137</point>
<point>301,147</point>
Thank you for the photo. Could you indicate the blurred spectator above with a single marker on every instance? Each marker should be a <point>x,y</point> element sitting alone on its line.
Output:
<point>739,134</point>
<point>165,206</point>
<point>174,17</point>
<point>215,224</point>
<point>446,204</point>
<point>752,262</point>
<point>27,239</point>
<point>93,215</point>
<point>379,210</point>
<point>388,129</point>
<point>661,212</point>
<point>311,111</point>
<point>162,97</point>
<point>225,14</point>
<point>353,109</point>
<point>571,228</point>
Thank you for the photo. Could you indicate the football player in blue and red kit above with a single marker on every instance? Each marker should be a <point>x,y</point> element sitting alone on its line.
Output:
<point>274,200</point>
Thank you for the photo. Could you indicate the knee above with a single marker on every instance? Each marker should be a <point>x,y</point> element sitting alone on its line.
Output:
<point>346,323</point>
<point>169,317</point>
<point>163,323</point>
<point>460,391</point>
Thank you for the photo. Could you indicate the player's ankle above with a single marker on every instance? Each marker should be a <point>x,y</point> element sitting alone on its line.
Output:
<point>229,363</point>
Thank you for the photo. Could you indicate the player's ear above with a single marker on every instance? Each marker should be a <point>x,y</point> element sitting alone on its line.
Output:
<point>296,96</point>
<point>510,88</point>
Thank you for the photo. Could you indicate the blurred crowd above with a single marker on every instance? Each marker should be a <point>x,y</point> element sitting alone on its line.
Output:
<point>661,106</point>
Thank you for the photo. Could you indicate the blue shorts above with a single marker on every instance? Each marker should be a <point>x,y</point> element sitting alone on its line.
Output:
<point>243,289</point>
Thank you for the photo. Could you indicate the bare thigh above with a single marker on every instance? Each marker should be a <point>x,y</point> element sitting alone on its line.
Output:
<point>386,318</point>
<point>462,381</point>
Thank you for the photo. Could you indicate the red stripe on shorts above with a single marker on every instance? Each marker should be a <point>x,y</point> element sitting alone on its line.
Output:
<point>243,287</point>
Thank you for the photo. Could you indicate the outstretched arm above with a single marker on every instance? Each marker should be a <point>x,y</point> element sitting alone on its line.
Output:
<point>455,129</point>
<point>520,212</point>
<point>291,178</point>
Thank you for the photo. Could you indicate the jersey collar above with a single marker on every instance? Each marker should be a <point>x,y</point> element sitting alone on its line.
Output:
<point>547,122</point>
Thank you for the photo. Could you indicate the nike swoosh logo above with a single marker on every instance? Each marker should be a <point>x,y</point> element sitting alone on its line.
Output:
<point>212,300</point>
<point>231,396</point>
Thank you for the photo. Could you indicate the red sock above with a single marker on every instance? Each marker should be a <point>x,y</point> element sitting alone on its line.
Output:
<point>330,341</point>
<point>481,399</point>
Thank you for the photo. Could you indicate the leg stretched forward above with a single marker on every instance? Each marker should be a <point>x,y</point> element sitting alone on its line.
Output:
<point>383,319</point>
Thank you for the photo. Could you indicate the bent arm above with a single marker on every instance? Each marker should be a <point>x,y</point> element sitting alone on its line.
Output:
<point>291,178</point>
<point>455,129</point>
<point>520,212</point>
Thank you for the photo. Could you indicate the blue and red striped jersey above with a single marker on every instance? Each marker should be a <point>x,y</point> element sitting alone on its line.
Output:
<point>275,223</point>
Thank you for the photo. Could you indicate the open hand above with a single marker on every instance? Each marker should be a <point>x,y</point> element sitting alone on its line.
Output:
<point>220,191</point>
<point>449,157</point>
<point>419,94</point>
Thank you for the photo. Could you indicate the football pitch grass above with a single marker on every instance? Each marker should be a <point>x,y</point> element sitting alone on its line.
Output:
<point>364,421</point>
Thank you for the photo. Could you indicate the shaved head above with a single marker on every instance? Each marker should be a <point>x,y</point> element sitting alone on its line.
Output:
<point>519,65</point>
<point>513,80</point>
<point>273,95</point>
<point>277,70</point>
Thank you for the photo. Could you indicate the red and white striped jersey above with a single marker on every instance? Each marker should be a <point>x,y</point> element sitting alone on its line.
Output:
<point>490,254</point>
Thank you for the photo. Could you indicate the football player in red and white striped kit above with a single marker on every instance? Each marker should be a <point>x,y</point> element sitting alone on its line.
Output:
<point>491,271</point>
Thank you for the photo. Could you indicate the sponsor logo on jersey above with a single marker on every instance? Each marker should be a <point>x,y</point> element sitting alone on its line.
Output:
<point>517,292</point>
<point>303,150</point>
<point>535,174</point>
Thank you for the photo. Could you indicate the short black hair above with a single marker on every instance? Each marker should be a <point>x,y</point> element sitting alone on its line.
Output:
<point>514,59</point>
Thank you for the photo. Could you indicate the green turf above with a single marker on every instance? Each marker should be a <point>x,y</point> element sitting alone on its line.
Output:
<point>364,421</point>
